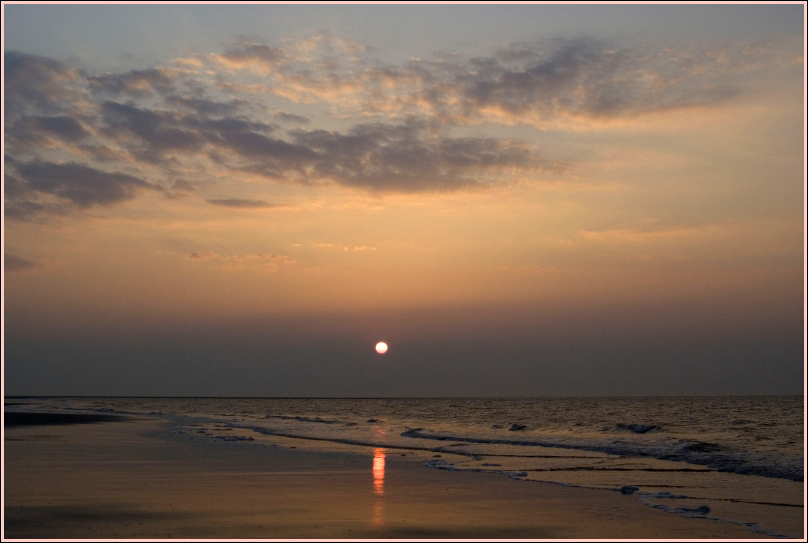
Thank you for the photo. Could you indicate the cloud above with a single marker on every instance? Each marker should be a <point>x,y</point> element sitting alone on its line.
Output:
<point>582,79</point>
<point>15,264</point>
<point>38,129</point>
<point>344,248</point>
<point>277,154</point>
<point>540,82</point>
<point>656,232</point>
<point>253,56</point>
<point>401,157</point>
<point>320,51</point>
<point>26,209</point>
<point>159,130</point>
<point>290,118</point>
<point>240,203</point>
<point>206,107</point>
<point>196,122</point>
<point>265,262</point>
<point>134,82</point>
<point>573,76</point>
<point>383,157</point>
<point>31,80</point>
<point>81,186</point>
<point>13,187</point>
<point>202,256</point>
<point>406,158</point>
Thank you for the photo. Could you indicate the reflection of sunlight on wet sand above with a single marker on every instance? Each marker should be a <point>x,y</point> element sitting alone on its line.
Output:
<point>378,514</point>
<point>378,471</point>
<point>378,486</point>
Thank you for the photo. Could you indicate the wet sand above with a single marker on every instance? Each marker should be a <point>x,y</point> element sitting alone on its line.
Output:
<point>134,478</point>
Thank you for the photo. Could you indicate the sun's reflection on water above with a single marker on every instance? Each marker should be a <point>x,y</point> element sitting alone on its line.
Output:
<point>378,471</point>
<point>378,486</point>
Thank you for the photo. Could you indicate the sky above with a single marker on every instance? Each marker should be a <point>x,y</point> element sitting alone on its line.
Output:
<point>521,200</point>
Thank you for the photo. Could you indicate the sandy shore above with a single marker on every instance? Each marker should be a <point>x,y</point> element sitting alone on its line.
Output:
<point>135,479</point>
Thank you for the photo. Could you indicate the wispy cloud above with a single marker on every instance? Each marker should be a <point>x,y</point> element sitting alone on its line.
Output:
<point>242,203</point>
<point>15,264</point>
<point>268,262</point>
<point>656,232</point>
<point>202,256</point>
<point>258,57</point>
<point>343,248</point>
<point>261,261</point>
<point>134,83</point>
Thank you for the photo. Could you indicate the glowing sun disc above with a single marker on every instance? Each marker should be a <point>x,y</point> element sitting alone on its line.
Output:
<point>381,347</point>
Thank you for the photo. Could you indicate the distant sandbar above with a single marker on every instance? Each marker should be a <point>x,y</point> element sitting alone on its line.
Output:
<point>29,418</point>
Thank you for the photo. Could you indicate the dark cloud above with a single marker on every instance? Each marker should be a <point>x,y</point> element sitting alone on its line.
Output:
<point>133,83</point>
<point>13,187</point>
<point>81,185</point>
<point>227,125</point>
<point>378,156</point>
<point>40,82</point>
<point>545,83</point>
<point>385,157</point>
<point>26,209</point>
<point>206,107</point>
<point>35,129</point>
<point>411,156</point>
<point>161,131</point>
<point>66,128</point>
<point>15,264</point>
<point>583,77</point>
<point>257,54</point>
<point>290,118</point>
<point>101,153</point>
<point>405,158</point>
<point>275,151</point>
<point>238,202</point>
<point>202,256</point>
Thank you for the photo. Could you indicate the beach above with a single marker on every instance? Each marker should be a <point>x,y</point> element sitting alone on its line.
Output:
<point>133,477</point>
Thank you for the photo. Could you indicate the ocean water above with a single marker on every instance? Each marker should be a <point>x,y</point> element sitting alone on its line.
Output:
<point>731,459</point>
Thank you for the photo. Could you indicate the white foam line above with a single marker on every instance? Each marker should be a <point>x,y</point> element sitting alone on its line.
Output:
<point>646,497</point>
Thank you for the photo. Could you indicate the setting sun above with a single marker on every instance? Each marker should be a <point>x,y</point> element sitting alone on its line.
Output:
<point>381,347</point>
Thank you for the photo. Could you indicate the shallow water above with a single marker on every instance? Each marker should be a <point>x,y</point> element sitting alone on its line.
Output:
<point>737,459</point>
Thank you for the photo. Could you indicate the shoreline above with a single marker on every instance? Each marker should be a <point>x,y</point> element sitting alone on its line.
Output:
<point>140,480</point>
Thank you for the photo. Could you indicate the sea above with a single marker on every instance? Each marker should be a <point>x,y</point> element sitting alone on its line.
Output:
<point>738,460</point>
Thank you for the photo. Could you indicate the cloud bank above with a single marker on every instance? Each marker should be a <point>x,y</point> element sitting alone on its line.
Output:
<point>77,140</point>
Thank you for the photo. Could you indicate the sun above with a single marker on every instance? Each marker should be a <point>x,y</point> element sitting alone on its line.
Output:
<point>381,347</point>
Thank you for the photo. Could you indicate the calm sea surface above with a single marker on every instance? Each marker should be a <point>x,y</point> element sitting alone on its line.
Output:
<point>734,459</point>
